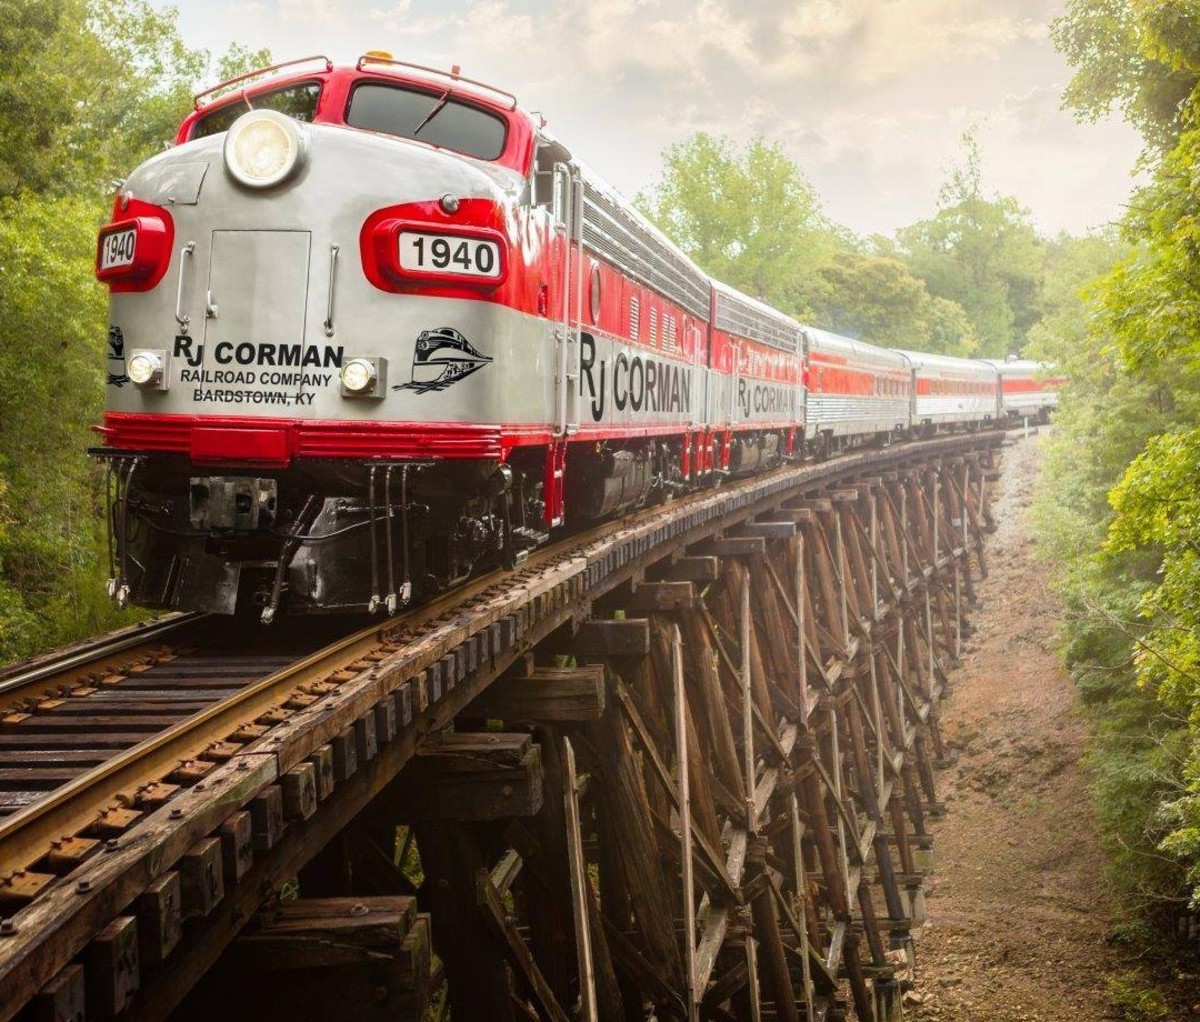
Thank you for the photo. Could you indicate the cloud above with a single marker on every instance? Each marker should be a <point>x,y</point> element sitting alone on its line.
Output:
<point>392,15</point>
<point>870,97</point>
<point>309,11</point>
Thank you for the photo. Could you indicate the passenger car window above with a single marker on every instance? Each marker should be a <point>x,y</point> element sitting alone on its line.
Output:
<point>427,117</point>
<point>298,101</point>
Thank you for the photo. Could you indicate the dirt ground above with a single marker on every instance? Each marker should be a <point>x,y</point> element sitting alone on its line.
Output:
<point>1018,913</point>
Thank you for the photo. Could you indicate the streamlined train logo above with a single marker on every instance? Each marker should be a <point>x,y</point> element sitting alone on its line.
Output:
<point>117,376</point>
<point>442,357</point>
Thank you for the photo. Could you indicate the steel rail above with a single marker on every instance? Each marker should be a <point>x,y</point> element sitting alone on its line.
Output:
<point>26,835</point>
<point>66,665</point>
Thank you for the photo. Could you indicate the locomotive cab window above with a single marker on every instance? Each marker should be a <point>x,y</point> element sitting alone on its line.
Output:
<point>298,101</point>
<point>550,153</point>
<point>427,117</point>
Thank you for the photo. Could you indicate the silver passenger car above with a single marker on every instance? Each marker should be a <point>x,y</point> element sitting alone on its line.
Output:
<point>855,388</point>
<point>952,390</point>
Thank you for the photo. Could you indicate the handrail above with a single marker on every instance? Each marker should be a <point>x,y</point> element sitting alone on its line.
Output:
<point>453,74</point>
<point>261,71</point>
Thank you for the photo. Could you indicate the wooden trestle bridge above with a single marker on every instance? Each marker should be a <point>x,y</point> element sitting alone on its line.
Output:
<point>680,767</point>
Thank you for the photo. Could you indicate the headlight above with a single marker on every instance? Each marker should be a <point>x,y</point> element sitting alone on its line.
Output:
<point>264,147</point>
<point>364,377</point>
<point>147,368</point>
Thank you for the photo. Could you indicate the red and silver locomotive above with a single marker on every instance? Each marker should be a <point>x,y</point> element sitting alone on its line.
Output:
<point>373,329</point>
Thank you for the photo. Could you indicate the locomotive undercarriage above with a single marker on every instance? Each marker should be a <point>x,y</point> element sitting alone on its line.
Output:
<point>325,536</point>
<point>330,536</point>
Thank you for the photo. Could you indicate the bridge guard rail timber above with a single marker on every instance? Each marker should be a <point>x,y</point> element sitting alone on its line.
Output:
<point>691,771</point>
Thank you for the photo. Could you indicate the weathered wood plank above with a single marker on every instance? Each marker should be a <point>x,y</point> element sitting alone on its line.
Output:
<point>734,546</point>
<point>299,792</point>
<point>63,999</point>
<point>202,878</point>
<point>237,845</point>
<point>769,530</point>
<point>457,785</point>
<point>113,970</point>
<point>160,918</point>
<point>550,694</point>
<point>660,596</point>
<point>600,638</point>
<point>693,569</point>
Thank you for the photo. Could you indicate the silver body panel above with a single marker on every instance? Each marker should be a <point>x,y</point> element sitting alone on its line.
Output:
<point>849,414</point>
<point>233,296</point>
<point>949,408</point>
<point>1027,402</point>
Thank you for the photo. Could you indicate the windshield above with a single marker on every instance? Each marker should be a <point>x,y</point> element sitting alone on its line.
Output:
<point>298,101</point>
<point>427,117</point>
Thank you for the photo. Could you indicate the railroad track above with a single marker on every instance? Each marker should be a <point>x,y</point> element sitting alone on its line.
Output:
<point>92,740</point>
<point>95,736</point>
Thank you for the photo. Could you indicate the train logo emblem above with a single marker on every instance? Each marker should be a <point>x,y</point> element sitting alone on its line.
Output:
<point>442,357</point>
<point>117,376</point>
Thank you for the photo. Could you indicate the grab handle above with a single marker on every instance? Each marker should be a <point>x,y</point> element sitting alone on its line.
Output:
<point>333,258</point>
<point>180,318</point>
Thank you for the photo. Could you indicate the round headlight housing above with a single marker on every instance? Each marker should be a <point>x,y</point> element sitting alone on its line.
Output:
<point>264,148</point>
<point>145,368</point>
<point>358,375</point>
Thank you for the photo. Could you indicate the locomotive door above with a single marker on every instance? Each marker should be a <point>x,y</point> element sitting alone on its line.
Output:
<point>254,332</point>
<point>568,222</point>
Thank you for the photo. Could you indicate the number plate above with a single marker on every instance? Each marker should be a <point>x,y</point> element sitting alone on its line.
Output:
<point>117,249</point>
<point>450,254</point>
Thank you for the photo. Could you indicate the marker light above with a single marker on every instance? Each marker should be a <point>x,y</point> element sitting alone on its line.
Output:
<point>263,148</point>
<point>362,377</point>
<point>147,368</point>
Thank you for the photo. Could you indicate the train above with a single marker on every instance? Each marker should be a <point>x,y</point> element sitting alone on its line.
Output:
<point>374,329</point>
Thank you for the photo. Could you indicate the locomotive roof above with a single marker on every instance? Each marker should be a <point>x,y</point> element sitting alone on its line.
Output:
<point>825,340</point>
<point>289,70</point>
<point>1020,366</point>
<point>337,80</point>
<point>926,360</point>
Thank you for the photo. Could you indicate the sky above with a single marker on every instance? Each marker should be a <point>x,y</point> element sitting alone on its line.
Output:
<point>871,98</point>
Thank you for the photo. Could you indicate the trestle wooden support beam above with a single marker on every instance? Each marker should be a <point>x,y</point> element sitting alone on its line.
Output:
<point>320,958</point>
<point>759,763</point>
<point>774,769</point>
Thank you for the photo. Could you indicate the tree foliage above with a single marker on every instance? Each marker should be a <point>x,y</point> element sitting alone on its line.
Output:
<point>1141,56</point>
<point>88,89</point>
<point>1125,508</point>
<point>748,217</point>
<point>984,255</point>
<point>876,298</point>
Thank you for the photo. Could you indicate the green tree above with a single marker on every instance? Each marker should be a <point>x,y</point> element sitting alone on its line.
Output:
<point>875,298</point>
<point>1123,510</point>
<point>88,89</point>
<point>982,254</point>
<point>1142,56</point>
<point>1073,265</point>
<point>746,216</point>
